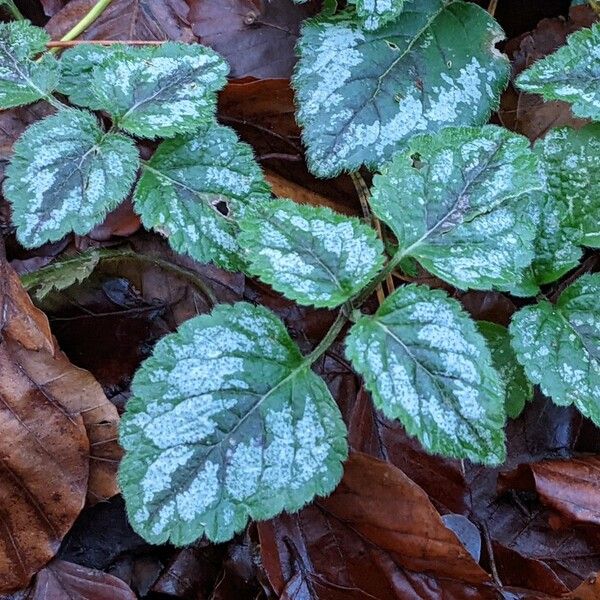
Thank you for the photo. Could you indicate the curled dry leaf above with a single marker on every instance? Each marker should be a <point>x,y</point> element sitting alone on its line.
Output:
<point>126,20</point>
<point>61,579</point>
<point>377,536</point>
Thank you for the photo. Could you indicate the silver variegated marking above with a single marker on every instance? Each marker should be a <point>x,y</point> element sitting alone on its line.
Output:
<point>227,423</point>
<point>65,175</point>
<point>571,74</point>
<point>426,364</point>
<point>194,189</point>
<point>361,94</point>
<point>559,346</point>
<point>310,254</point>
<point>456,202</point>
<point>377,13</point>
<point>22,79</point>
<point>159,91</point>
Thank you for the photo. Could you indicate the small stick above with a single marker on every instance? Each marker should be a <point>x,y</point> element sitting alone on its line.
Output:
<point>492,7</point>
<point>71,43</point>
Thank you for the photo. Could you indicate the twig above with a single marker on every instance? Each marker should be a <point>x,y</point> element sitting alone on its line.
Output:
<point>281,156</point>
<point>85,22</point>
<point>71,43</point>
<point>492,7</point>
<point>490,550</point>
<point>12,8</point>
<point>363,195</point>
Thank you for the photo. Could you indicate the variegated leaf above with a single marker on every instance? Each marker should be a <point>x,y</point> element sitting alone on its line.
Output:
<point>65,175</point>
<point>310,254</point>
<point>362,95</point>
<point>570,74</point>
<point>518,388</point>
<point>195,188</point>
<point>559,345</point>
<point>455,201</point>
<point>22,79</point>
<point>159,91</point>
<point>570,158</point>
<point>227,422</point>
<point>426,364</point>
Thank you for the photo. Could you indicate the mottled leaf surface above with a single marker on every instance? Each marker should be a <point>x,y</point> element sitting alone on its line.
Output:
<point>159,91</point>
<point>426,364</point>
<point>194,189</point>
<point>570,74</point>
<point>559,346</point>
<point>76,72</point>
<point>22,79</point>
<point>61,274</point>
<point>65,175</point>
<point>570,159</point>
<point>310,254</point>
<point>227,422</point>
<point>459,207</point>
<point>518,388</point>
<point>376,13</point>
<point>361,95</point>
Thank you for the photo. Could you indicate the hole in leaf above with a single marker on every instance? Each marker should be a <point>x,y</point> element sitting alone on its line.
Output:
<point>392,46</point>
<point>222,207</point>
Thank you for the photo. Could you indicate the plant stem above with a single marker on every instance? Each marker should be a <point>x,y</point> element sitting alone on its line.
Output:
<point>71,43</point>
<point>328,339</point>
<point>12,8</point>
<point>87,20</point>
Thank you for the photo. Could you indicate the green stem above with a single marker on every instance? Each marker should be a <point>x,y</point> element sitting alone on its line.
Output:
<point>328,338</point>
<point>87,20</point>
<point>12,8</point>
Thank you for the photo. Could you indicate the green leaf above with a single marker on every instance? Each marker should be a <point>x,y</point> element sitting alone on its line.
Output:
<point>77,69</point>
<point>570,158</point>
<point>61,274</point>
<point>559,346</point>
<point>310,254</point>
<point>159,91</point>
<point>195,188</point>
<point>362,95</point>
<point>426,364</point>
<point>227,422</point>
<point>571,74</point>
<point>23,80</point>
<point>518,388</point>
<point>455,202</point>
<point>376,13</point>
<point>65,175</point>
<point>555,245</point>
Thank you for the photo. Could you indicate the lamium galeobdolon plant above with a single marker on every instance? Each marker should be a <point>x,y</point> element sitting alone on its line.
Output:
<point>228,421</point>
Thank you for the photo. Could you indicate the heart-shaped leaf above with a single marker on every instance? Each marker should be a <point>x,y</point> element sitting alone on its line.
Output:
<point>570,74</point>
<point>559,346</point>
<point>426,364</point>
<point>22,79</point>
<point>227,422</point>
<point>195,188</point>
<point>455,201</point>
<point>65,175</point>
<point>362,94</point>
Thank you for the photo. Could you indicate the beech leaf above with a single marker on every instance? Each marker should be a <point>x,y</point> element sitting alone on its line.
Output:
<point>426,364</point>
<point>227,422</point>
